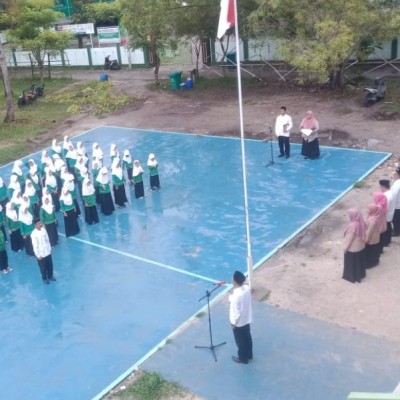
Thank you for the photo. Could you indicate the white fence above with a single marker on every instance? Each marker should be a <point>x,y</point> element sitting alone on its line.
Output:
<point>80,57</point>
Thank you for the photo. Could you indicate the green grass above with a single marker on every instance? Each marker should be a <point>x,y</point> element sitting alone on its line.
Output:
<point>150,386</point>
<point>19,137</point>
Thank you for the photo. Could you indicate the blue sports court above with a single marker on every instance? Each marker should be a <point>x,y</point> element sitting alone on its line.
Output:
<point>124,285</point>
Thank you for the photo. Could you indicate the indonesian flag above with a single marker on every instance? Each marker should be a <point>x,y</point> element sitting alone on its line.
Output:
<point>226,18</point>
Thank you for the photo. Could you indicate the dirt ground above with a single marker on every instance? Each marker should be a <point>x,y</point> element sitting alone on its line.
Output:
<point>304,281</point>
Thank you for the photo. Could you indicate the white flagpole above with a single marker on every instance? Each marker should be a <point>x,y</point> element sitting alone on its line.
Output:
<point>246,205</point>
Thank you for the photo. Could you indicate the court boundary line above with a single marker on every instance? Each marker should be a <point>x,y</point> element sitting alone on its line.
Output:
<point>145,260</point>
<point>159,345</point>
<point>319,213</point>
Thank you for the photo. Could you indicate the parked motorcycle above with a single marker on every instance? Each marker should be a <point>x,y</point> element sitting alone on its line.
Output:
<point>25,98</point>
<point>38,91</point>
<point>111,64</point>
<point>374,94</point>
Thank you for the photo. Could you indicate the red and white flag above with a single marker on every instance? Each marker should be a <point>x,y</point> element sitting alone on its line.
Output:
<point>226,18</point>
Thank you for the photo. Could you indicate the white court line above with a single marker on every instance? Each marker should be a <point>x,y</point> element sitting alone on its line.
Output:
<point>158,264</point>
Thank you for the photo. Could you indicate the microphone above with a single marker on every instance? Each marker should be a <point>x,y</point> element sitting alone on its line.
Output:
<point>219,283</point>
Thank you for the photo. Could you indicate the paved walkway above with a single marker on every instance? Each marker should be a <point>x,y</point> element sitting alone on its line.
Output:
<point>295,358</point>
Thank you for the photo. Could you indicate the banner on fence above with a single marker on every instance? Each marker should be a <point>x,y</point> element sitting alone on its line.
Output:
<point>83,29</point>
<point>108,35</point>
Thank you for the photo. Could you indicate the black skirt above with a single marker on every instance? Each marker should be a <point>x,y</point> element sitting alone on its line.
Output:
<point>52,232</point>
<point>17,243</point>
<point>3,260</point>
<point>91,216</point>
<point>71,223</point>
<point>56,201</point>
<point>28,246</point>
<point>386,237</point>
<point>106,203</point>
<point>120,195</point>
<point>155,182</point>
<point>372,255</point>
<point>139,190</point>
<point>310,149</point>
<point>354,266</point>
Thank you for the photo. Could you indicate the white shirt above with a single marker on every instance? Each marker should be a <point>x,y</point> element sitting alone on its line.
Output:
<point>396,193</point>
<point>240,311</point>
<point>40,243</point>
<point>283,125</point>
<point>390,205</point>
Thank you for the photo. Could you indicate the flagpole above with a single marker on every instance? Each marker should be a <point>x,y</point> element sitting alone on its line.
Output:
<point>246,203</point>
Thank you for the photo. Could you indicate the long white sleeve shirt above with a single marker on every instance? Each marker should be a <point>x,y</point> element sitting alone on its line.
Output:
<point>283,125</point>
<point>395,189</point>
<point>391,205</point>
<point>240,311</point>
<point>40,242</point>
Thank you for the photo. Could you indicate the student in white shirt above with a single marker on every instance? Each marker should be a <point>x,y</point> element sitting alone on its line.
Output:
<point>240,316</point>
<point>283,126</point>
<point>42,249</point>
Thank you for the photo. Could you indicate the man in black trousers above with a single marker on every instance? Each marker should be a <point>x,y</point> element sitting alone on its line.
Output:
<point>42,249</point>
<point>240,315</point>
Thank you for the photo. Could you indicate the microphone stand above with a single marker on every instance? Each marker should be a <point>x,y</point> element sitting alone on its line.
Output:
<point>271,162</point>
<point>212,346</point>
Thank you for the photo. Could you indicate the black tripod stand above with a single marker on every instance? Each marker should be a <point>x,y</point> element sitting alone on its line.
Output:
<point>271,162</point>
<point>212,346</point>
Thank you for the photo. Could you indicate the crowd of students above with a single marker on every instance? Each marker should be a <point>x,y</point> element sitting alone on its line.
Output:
<point>54,185</point>
<point>365,239</point>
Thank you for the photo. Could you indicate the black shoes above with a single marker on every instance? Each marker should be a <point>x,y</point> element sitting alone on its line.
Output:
<point>53,279</point>
<point>238,360</point>
<point>280,155</point>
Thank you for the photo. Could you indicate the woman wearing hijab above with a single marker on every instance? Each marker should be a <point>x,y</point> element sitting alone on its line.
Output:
<point>106,201</point>
<point>70,183</point>
<point>127,164</point>
<point>89,200</point>
<point>17,199</point>
<point>309,129</point>
<point>17,244</point>
<point>374,226</point>
<point>80,169</point>
<point>3,194</point>
<point>4,267</point>
<point>17,171</point>
<point>52,188</point>
<point>45,162</point>
<point>71,158</point>
<point>67,206</point>
<point>114,153</point>
<point>95,173</point>
<point>97,154</point>
<point>2,222</point>
<point>55,149</point>
<point>26,227</point>
<point>59,164</point>
<point>354,247</point>
<point>137,174</point>
<point>65,146</point>
<point>49,220</point>
<point>118,183</point>
<point>34,178</point>
<point>13,185</point>
<point>152,164</point>
<point>381,201</point>
<point>30,191</point>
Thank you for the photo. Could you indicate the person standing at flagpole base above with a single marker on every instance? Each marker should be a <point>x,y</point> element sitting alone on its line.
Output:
<point>241,316</point>
<point>283,126</point>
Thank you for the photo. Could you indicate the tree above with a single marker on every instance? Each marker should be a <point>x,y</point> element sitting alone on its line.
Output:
<point>151,26</point>
<point>7,86</point>
<point>30,24</point>
<point>197,20</point>
<point>320,36</point>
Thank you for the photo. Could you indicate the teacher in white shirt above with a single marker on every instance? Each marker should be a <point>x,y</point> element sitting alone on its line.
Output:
<point>283,126</point>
